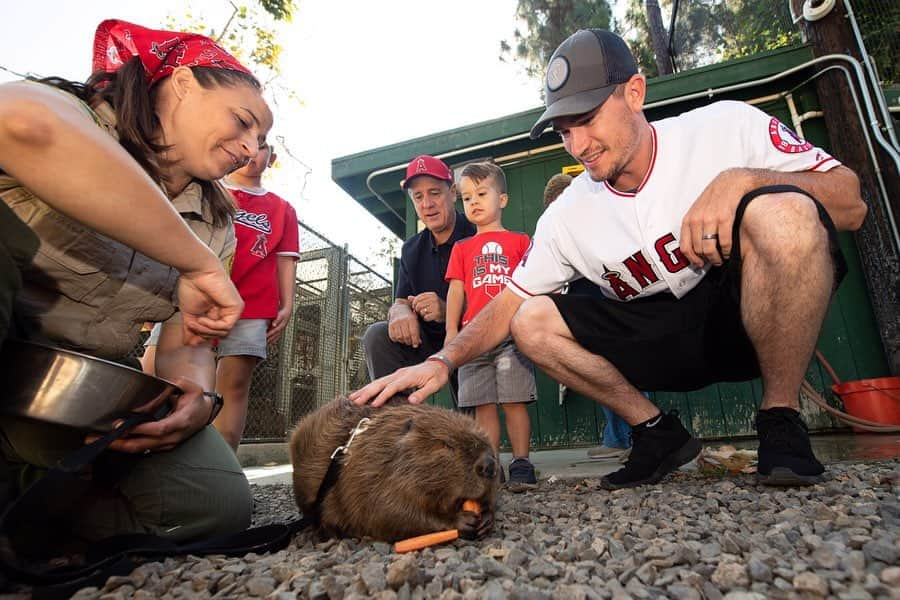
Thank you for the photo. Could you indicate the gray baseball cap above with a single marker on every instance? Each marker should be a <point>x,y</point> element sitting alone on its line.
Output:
<point>582,74</point>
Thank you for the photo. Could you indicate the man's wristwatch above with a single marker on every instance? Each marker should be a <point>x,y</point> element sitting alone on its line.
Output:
<point>442,359</point>
<point>217,403</point>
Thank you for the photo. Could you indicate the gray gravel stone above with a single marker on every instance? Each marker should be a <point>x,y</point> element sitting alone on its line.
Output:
<point>811,583</point>
<point>373,577</point>
<point>680,591</point>
<point>260,586</point>
<point>891,577</point>
<point>883,550</point>
<point>758,570</point>
<point>402,571</point>
<point>730,575</point>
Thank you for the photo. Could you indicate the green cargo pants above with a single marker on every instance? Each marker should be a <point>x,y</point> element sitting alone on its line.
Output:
<point>194,491</point>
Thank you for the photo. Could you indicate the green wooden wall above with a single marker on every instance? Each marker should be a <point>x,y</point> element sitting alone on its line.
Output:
<point>849,339</point>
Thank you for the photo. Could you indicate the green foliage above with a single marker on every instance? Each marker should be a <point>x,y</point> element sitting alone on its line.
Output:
<point>249,34</point>
<point>544,24</point>
<point>281,10</point>
<point>708,31</point>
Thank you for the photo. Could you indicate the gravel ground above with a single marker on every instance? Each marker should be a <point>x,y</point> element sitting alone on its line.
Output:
<point>691,537</point>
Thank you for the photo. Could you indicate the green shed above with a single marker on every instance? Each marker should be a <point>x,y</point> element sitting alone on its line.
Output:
<point>777,82</point>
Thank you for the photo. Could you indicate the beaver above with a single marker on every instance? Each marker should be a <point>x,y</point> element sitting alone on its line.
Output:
<point>407,474</point>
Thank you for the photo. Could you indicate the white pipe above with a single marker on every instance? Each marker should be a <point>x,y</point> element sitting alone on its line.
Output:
<point>811,114</point>
<point>795,116</point>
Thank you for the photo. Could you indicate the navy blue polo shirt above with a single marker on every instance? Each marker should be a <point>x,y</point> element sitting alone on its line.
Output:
<point>423,264</point>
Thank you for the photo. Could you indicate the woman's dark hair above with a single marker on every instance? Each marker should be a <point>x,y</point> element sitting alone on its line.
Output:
<point>127,91</point>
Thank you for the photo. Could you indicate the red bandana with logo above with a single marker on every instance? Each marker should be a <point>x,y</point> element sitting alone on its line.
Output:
<point>160,51</point>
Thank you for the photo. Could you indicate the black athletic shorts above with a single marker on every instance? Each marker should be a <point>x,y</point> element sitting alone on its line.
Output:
<point>661,343</point>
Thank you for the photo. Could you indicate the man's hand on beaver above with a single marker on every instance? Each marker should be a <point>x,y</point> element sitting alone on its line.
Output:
<point>424,378</point>
<point>473,525</point>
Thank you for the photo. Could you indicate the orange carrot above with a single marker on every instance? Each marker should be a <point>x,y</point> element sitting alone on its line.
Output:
<point>423,541</point>
<point>472,506</point>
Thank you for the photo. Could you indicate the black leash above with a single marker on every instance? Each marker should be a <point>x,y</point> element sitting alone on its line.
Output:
<point>53,495</point>
<point>334,470</point>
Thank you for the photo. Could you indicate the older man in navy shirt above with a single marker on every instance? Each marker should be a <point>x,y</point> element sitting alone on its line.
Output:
<point>415,326</point>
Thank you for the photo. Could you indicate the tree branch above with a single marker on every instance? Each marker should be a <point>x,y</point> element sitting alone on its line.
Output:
<point>228,23</point>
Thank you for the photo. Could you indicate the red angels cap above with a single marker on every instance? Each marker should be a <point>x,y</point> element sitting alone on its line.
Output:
<point>427,165</point>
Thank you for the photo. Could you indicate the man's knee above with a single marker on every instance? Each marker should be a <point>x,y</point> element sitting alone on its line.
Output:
<point>376,335</point>
<point>531,324</point>
<point>785,224</point>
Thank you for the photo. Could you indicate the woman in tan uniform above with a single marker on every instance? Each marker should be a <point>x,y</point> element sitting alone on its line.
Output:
<point>163,117</point>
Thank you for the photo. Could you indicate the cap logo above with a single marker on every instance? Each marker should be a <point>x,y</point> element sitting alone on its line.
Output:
<point>557,73</point>
<point>420,166</point>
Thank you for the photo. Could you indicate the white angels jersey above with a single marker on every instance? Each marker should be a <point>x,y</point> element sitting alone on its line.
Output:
<point>627,243</point>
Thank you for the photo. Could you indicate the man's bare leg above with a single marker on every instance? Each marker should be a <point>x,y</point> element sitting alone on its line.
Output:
<point>543,336</point>
<point>786,284</point>
<point>661,444</point>
<point>785,289</point>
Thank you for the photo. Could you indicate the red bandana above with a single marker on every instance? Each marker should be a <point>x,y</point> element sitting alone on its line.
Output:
<point>160,51</point>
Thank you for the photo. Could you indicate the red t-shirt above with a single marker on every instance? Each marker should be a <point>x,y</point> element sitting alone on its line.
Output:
<point>265,227</point>
<point>484,263</point>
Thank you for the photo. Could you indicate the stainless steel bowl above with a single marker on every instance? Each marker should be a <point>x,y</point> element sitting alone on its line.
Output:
<point>70,388</point>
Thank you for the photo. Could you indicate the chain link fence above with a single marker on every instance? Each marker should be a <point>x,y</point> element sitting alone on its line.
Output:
<point>879,22</point>
<point>320,352</point>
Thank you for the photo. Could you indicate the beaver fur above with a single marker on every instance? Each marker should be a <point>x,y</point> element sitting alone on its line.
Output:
<point>407,474</point>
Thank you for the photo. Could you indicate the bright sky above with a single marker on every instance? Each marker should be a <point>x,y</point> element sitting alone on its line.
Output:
<point>369,74</point>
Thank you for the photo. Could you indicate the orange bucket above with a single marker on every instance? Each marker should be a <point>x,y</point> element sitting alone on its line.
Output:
<point>872,399</point>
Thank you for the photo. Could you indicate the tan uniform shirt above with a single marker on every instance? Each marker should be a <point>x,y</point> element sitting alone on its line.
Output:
<point>87,292</point>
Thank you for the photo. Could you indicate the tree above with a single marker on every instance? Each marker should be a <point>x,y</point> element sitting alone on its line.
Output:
<point>659,38</point>
<point>248,34</point>
<point>385,252</point>
<point>707,31</point>
<point>544,24</point>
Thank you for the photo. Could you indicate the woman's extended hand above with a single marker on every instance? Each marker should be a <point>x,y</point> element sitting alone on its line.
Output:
<point>209,303</point>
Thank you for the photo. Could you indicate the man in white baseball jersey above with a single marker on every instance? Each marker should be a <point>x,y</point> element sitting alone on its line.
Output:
<point>712,237</point>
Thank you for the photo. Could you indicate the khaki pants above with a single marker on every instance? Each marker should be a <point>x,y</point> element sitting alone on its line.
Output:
<point>194,491</point>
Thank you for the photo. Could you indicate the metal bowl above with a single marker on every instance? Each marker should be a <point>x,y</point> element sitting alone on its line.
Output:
<point>69,388</point>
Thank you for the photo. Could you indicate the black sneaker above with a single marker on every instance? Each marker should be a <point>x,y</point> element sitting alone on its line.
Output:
<point>657,449</point>
<point>521,475</point>
<point>785,454</point>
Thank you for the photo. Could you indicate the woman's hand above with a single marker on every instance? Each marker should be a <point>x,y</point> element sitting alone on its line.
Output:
<point>209,304</point>
<point>190,413</point>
